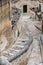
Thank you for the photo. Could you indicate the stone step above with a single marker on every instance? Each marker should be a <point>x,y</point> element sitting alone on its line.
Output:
<point>19,46</point>
<point>18,50</point>
<point>22,40</point>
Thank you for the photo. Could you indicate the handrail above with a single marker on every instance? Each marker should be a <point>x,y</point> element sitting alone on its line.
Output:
<point>29,42</point>
<point>5,61</point>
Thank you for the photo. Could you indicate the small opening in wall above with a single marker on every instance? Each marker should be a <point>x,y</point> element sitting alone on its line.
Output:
<point>24,8</point>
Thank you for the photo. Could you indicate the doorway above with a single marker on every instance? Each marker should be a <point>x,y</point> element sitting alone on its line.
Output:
<point>24,8</point>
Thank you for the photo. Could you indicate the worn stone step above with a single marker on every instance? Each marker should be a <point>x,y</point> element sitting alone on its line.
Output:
<point>19,46</point>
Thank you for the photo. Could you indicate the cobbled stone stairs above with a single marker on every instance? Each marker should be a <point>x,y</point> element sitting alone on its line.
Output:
<point>27,48</point>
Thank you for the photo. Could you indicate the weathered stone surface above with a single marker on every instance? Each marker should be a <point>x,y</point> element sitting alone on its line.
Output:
<point>4,61</point>
<point>25,26</point>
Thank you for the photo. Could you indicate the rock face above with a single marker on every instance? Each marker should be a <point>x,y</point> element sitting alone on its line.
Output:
<point>6,34</point>
<point>3,42</point>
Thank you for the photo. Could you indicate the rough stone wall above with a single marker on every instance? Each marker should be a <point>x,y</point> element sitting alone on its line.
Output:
<point>6,34</point>
<point>20,5</point>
